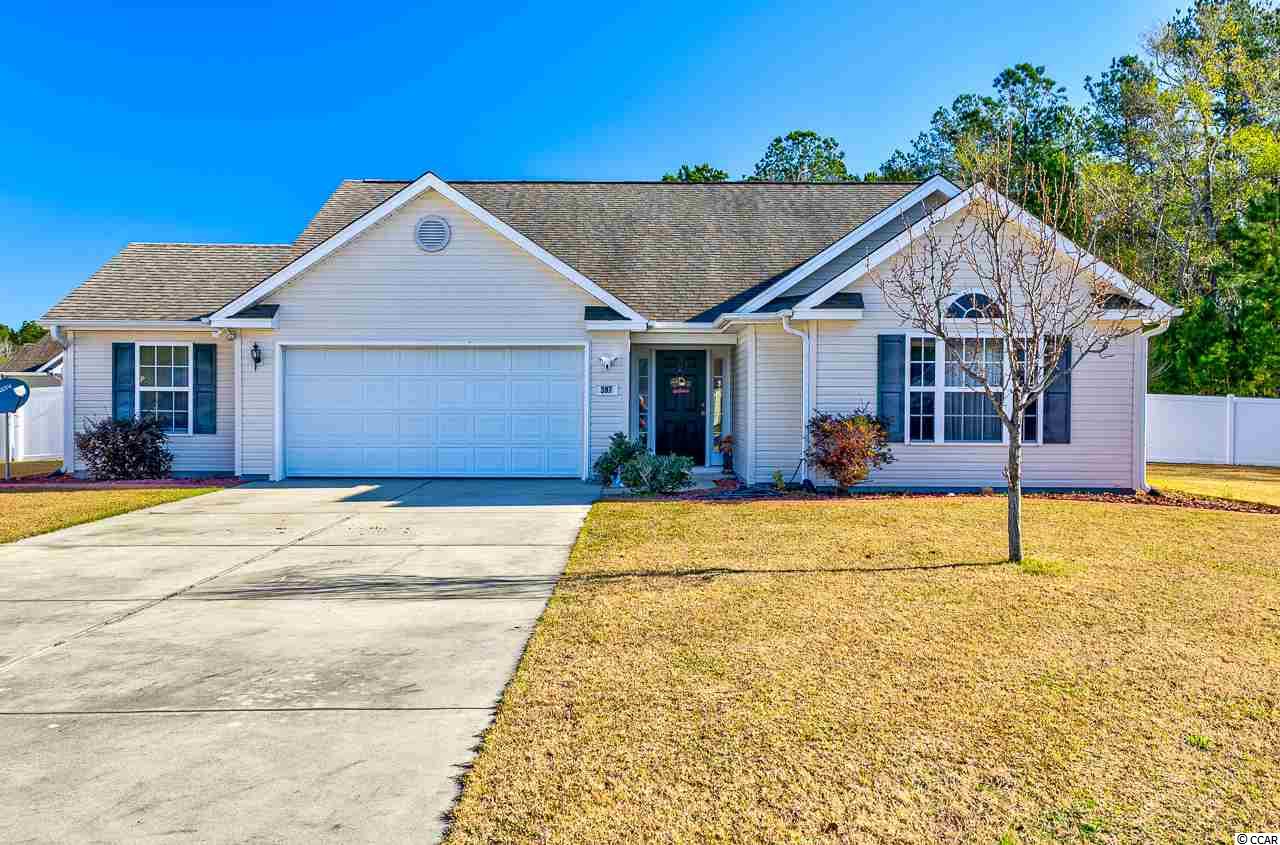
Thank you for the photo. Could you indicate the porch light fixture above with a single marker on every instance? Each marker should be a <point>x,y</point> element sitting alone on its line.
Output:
<point>606,361</point>
<point>255,354</point>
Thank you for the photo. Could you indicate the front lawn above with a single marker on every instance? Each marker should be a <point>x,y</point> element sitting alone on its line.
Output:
<point>26,513</point>
<point>871,671</point>
<point>1247,484</point>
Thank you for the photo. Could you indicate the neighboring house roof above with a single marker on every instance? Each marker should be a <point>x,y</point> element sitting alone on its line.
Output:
<point>671,251</point>
<point>30,357</point>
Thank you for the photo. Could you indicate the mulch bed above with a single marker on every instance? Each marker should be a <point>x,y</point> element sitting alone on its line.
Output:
<point>70,482</point>
<point>1171,498</point>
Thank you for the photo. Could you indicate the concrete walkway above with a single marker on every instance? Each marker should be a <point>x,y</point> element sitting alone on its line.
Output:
<point>295,662</point>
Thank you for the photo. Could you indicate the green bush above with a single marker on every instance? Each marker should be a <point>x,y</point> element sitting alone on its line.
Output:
<point>621,449</point>
<point>116,450</point>
<point>658,474</point>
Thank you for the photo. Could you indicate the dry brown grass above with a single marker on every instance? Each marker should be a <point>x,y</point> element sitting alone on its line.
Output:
<point>870,671</point>
<point>1246,484</point>
<point>28,513</point>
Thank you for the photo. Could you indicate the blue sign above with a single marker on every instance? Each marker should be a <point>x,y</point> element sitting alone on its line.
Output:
<point>13,395</point>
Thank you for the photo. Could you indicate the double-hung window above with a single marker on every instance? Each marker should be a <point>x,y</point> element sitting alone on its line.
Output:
<point>969,416</point>
<point>922,388</point>
<point>164,385</point>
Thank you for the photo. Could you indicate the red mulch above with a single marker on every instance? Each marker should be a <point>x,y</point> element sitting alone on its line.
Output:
<point>70,482</point>
<point>1159,498</point>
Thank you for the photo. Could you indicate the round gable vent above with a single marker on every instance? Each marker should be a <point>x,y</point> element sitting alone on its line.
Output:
<point>432,234</point>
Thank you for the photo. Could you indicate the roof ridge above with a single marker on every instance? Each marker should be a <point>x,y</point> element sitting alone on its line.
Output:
<point>197,243</point>
<point>656,182</point>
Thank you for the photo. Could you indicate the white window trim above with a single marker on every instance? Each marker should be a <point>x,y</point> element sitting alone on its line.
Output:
<point>189,389</point>
<point>940,391</point>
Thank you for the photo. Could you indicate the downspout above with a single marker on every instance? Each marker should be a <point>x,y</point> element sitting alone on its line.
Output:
<point>1141,424</point>
<point>804,392</point>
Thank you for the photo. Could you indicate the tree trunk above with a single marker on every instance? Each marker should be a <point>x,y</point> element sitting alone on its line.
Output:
<point>1014,472</point>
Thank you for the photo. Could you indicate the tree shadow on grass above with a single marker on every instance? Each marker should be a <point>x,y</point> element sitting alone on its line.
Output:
<point>721,571</point>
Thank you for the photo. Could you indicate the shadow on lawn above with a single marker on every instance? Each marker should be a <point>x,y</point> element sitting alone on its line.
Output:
<point>718,571</point>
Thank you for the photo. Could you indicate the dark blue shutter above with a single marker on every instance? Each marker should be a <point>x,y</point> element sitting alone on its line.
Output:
<point>122,372</point>
<point>204,388</point>
<point>1057,401</point>
<point>891,384</point>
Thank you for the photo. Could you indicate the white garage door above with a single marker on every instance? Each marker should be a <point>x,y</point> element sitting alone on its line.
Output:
<point>443,411</point>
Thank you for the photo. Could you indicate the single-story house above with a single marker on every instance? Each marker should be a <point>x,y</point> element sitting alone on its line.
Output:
<point>433,328</point>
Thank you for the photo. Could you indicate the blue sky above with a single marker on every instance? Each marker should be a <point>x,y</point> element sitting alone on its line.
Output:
<point>127,122</point>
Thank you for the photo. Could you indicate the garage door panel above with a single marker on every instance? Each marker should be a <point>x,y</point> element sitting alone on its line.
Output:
<point>489,393</point>
<point>433,411</point>
<point>451,393</point>
<point>563,394</point>
<point>491,427</point>
<point>417,429</point>
<point>416,393</point>
<point>528,428</point>
<point>381,392</point>
<point>528,393</point>
<point>562,428</point>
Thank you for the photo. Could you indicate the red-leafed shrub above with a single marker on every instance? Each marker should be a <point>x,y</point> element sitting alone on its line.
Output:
<point>847,446</point>
<point>124,449</point>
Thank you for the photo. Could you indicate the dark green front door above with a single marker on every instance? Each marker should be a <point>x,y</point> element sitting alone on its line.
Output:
<point>681,407</point>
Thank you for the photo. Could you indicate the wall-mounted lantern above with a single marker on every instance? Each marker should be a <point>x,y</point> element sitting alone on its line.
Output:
<point>255,354</point>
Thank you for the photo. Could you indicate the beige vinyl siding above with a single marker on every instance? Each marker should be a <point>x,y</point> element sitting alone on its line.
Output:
<point>382,288</point>
<point>91,381</point>
<point>740,397</point>
<point>777,396</point>
<point>1100,453</point>
<point>257,394</point>
<point>609,414</point>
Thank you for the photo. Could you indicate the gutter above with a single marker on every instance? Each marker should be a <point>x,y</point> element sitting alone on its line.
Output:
<point>804,392</point>
<point>1140,426</point>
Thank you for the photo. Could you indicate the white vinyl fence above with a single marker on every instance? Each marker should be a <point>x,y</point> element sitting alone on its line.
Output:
<point>1213,430</point>
<point>35,432</point>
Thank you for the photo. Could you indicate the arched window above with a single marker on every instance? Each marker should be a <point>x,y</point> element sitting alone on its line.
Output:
<point>972,306</point>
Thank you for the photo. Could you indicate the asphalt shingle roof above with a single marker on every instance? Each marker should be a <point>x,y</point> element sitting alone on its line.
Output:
<point>170,281</point>
<point>30,357</point>
<point>672,251</point>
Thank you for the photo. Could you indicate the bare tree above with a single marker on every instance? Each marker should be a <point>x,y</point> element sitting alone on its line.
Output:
<point>1014,302</point>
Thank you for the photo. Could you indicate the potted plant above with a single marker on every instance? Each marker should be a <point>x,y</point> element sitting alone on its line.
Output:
<point>724,445</point>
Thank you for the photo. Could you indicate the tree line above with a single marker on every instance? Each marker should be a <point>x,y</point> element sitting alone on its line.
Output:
<point>1176,150</point>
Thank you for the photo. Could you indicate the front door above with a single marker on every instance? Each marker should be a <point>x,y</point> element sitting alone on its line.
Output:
<point>681,409</point>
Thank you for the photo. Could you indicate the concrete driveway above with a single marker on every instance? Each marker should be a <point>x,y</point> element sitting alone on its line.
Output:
<point>296,662</point>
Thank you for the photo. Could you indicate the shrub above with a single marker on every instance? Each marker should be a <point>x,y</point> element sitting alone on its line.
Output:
<point>657,474</point>
<point>779,481</point>
<point>125,449</point>
<point>848,446</point>
<point>621,449</point>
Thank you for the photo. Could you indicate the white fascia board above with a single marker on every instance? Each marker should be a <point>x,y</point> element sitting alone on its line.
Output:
<point>614,325</point>
<point>675,326</point>
<point>933,185</point>
<point>1147,317</point>
<point>826,314</point>
<point>959,202</point>
<point>140,325</point>
<point>51,364</point>
<point>425,182</point>
<point>739,317</point>
<point>246,323</point>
